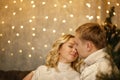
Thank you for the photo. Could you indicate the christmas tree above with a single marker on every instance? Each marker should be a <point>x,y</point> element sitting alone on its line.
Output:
<point>113,44</point>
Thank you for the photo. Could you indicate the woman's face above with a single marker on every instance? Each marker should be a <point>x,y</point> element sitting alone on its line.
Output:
<point>68,53</point>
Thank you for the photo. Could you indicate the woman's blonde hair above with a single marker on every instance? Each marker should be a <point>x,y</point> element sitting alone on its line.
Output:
<point>53,56</point>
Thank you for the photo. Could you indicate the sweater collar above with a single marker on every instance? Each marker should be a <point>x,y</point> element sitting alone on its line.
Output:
<point>64,66</point>
<point>95,56</point>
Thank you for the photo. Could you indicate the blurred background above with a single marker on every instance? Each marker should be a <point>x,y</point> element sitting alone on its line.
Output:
<point>28,28</point>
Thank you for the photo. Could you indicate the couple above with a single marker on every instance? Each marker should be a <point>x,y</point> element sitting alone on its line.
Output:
<point>82,57</point>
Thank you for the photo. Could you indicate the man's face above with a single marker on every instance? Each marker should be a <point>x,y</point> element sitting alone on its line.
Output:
<point>81,47</point>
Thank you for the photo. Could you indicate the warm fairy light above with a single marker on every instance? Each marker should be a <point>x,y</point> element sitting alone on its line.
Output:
<point>33,17</point>
<point>55,19</point>
<point>32,2</point>
<point>28,43</point>
<point>33,29</point>
<point>99,7</point>
<point>108,3</point>
<point>2,22</point>
<point>33,48</point>
<point>17,34</point>
<point>40,57</point>
<point>54,31</point>
<point>9,41</point>
<point>14,13</point>
<point>63,33</point>
<point>55,5</point>
<point>43,3</point>
<point>33,5</point>
<point>3,49</point>
<point>20,51</point>
<point>30,21</point>
<point>70,29</point>
<point>89,17</point>
<point>98,17</point>
<point>71,15</point>
<point>11,54</point>
<point>1,35</point>
<point>14,1</point>
<point>70,1</point>
<point>45,45</point>
<point>88,5</point>
<point>64,21</point>
<point>44,29</point>
<point>6,6</point>
<point>117,4</point>
<point>64,6</point>
<point>46,17</point>
<point>21,0</point>
<point>29,55</point>
<point>107,11</point>
<point>20,9</point>
<point>114,13</point>
<point>33,34</point>
<point>13,27</point>
<point>21,26</point>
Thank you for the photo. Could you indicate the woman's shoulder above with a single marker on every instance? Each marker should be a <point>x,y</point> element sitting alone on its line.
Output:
<point>42,67</point>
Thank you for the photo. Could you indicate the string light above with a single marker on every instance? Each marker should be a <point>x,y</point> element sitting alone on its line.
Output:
<point>98,17</point>
<point>71,15</point>
<point>29,55</point>
<point>107,11</point>
<point>88,5</point>
<point>2,22</point>
<point>70,2</point>
<point>55,19</point>
<point>43,3</point>
<point>1,35</point>
<point>13,27</point>
<point>108,3</point>
<point>20,51</point>
<point>46,17</point>
<point>11,54</point>
<point>33,17</point>
<point>54,31</point>
<point>63,33</point>
<point>9,41</point>
<point>21,26</point>
<point>33,34</point>
<point>114,13</point>
<point>6,6</point>
<point>14,1</point>
<point>32,2</point>
<point>28,43</point>
<point>70,29</point>
<point>14,13</point>
<point>33,5</point>
<point>55,5</point>
<point>20,9</point>
<point>30,21</point>
<point>33,29</point>
<point>33,48</point>
<point>21,0</point>
<point>17,34</point>
<point>64,6</point>
<point>63,21</point>
<point>44,29</point>
<point>45,45</point>
<point>117,4</point>
<point>99,7</point>
<point>3,49</point>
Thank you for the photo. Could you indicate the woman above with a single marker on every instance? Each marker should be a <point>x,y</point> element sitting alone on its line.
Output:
<point>60,62</point>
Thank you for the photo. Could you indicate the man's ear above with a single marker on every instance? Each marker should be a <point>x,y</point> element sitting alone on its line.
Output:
<point>89,45</point>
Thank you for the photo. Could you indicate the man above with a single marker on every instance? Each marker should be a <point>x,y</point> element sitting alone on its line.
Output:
<point>91,43</point>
